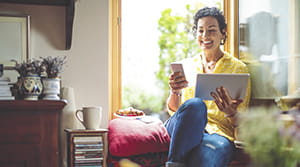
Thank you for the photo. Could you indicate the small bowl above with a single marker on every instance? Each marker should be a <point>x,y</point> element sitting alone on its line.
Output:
<point>128,117</point>
<point>129,113</point>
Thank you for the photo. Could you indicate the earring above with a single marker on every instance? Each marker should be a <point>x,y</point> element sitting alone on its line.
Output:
<point>222,41</point>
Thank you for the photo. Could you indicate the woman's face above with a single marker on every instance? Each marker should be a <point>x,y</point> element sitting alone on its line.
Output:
<point>208,33</point>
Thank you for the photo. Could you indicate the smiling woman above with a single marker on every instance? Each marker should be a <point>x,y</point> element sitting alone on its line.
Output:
<point>140,51</point>
<point>141,86</point>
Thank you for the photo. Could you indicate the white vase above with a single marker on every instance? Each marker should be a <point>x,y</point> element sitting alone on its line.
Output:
<point>51,88</point>
<point>68,120</point>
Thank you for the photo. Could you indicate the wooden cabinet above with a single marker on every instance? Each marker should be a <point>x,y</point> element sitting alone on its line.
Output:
<point>86,147</point>
<point>29,133</point>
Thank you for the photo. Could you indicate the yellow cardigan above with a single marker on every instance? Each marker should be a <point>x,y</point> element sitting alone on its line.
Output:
<point>217,122</point>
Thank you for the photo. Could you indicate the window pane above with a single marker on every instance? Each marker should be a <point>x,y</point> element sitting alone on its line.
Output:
<point>267,45</point>
<point>141,88</point>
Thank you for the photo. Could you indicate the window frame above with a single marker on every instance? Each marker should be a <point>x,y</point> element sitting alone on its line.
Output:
<point>292,74</point>
<point>115,56</point>
<point>115,59</point>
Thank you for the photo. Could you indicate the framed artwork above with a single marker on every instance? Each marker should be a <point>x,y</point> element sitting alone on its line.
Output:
<point>14,39</point>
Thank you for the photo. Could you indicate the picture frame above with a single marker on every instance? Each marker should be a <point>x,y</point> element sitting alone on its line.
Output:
<point>14,39</point>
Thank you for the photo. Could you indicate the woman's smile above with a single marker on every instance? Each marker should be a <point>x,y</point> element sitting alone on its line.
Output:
<point>206,43</point>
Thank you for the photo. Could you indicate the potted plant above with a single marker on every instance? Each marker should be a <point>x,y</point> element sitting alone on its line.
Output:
<point>51,69</point>
<point>29,68</point>
<point>267,139</point>
<point>53,65</point>
<point>29,82</point>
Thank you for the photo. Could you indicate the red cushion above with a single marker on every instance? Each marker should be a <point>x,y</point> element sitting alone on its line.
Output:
<point>133,137</point>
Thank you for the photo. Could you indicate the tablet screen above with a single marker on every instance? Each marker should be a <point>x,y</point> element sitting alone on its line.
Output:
<point>236,84</point>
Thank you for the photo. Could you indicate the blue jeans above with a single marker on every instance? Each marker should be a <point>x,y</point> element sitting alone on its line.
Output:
<point>190,145</point>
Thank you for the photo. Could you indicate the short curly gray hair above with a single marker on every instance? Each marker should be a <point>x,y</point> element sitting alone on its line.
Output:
<point>214,12</point>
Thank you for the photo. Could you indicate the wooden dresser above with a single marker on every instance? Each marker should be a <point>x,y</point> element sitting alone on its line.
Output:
<point>29,135</point>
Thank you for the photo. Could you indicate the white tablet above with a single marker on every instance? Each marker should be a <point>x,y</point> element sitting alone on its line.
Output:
<point>236,84</point>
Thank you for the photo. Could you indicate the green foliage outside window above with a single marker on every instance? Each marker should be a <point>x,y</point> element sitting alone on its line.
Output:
<point>176,42</point>
<point>139,99</point>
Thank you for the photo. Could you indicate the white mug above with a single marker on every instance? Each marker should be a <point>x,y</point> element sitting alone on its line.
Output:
<point>92,117</point>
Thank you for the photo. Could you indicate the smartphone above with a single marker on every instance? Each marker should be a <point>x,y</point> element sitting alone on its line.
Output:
<point>178,67</point>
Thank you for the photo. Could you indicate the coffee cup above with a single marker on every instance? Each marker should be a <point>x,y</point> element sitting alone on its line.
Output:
<point>90,117</point>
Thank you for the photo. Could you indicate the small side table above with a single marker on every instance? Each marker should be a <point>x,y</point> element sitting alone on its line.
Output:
<point>87,147</point>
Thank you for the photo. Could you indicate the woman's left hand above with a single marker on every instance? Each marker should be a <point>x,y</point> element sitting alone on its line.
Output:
<point>224,101</point>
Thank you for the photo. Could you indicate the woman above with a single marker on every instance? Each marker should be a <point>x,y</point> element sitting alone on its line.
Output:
<point>202,132</point>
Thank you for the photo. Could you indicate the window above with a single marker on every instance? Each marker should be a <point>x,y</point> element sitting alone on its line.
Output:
<point>115,45</point>
<point>269,44</point>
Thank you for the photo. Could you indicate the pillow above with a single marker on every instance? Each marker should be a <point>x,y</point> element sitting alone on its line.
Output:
<point>133,137</point>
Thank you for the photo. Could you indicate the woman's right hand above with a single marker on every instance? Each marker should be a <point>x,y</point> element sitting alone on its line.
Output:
<point>177,81</point>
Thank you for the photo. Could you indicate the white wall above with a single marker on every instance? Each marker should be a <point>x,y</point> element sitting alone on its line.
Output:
<point>87,61</point>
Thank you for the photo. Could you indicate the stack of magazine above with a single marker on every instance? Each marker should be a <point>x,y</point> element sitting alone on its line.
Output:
<point>5,89</point>
<point>88,151</point>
